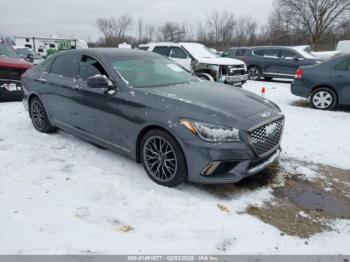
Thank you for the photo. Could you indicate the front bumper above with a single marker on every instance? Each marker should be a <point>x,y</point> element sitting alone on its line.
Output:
<point>235,79</point>
<point>10,90</point>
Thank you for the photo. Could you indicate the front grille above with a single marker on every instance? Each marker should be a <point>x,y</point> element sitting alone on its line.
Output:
<point>233,70</point>
<point>266,138</point>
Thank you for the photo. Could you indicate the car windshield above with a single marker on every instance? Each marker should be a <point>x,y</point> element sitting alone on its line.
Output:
<point>199,50</point>
<point>8,51</point>
<point>151,71</point>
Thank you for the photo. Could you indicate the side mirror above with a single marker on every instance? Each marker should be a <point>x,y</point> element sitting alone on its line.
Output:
<point>99,81</point>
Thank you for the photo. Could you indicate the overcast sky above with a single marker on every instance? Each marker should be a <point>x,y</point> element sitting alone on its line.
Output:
<point>77,18</point>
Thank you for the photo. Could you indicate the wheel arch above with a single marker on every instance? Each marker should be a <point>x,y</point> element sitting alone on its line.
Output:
<point>325,86</point>
<point>144,131</point>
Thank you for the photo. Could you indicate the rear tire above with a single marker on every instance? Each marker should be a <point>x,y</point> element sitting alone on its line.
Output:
<point>254,73</point>
<point>39,117</point>
<point>163,159</point>
<point>323,99</point>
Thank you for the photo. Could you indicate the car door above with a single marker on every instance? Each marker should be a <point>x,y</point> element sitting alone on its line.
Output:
<point>60,84</point>
<point>178,55</point>
<point>270,60</point>
<point>290,62</point>
<point>341,80</point>
<point>98,108</point>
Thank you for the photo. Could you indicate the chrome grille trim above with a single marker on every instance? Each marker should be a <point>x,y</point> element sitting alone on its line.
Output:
<point>266,138</point>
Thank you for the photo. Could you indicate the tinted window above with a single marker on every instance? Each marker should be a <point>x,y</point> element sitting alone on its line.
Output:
<point>89,67</point>
<point>241,52</point>
<point>259,52</point>
<point>45,66</point>
<point>343,66</point>
<point>228,53</point>
<point>271,53</point>
<point>287,54</point>
<point>162,50</point>
<point>177,52</point>
<point>65,65</point>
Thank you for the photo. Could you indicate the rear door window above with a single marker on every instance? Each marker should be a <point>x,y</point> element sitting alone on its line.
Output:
<point>289,55</point>
<point>241,52</point>
<point>271,53</point>
<point>162,50</point>
<point>65,65</point>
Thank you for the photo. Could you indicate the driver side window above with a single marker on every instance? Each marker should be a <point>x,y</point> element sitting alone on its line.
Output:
<point>89,67</point>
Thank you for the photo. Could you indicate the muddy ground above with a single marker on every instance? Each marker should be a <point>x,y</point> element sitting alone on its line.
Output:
<point>302,204</point>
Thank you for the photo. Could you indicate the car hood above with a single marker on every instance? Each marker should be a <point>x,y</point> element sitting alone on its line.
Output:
<point>219,61</point>
<point>14,63</point>
<point>214,102</point>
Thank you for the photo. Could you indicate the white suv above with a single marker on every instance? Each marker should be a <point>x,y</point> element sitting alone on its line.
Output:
<point>202,61</point>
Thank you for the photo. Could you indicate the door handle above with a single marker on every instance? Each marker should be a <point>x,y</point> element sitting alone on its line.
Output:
<point>42,80</point>
<point>340,76</point>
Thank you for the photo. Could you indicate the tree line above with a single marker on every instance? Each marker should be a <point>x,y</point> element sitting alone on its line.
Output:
<point>319,23</point>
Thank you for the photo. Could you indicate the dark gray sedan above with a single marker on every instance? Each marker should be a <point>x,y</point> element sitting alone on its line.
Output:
<point>151,109</point>
<point>326,85</point>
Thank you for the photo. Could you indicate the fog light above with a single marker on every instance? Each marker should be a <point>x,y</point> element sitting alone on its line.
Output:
<point>211,168</point>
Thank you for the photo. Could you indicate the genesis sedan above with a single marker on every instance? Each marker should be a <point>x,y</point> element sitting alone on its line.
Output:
<point>151,109</point>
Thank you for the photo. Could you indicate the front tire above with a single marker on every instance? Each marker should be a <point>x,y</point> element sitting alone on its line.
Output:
<point>254,73</point>
<point>323,99</point>
<point>163,158</point>
<point>39,117</point>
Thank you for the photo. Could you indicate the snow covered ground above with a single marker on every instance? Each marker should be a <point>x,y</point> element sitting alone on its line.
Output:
<point>61,195</point>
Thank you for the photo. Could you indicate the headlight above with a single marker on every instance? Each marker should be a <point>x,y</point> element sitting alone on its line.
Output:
<point>212,133</point>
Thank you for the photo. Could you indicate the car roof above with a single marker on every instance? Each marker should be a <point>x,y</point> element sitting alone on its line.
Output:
<point>154,44</point>
<point>111,52</point>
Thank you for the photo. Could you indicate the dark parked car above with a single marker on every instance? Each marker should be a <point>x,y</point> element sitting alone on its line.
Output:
<point>272,62</point>
<point>11,68</point>
<point>149,108</point>
<point>29,55</point>
<point>327,84</point>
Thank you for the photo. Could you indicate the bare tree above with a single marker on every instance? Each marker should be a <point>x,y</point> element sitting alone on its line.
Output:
<point>150,32</point>
<point>172,32</point>
<point>114,29</point>
<point>315,17</point>
<point>140,29</point>
<point>246,31</point>
<point>221,28</point>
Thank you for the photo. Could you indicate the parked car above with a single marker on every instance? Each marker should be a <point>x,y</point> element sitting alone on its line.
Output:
<point>320,55</point>
<point>202,61</point>
<point>343,46</point>
<point>12,66</point>
<point>148,107</point>
<point>28,54</point>
<point>272,62</point>
<point>326,85</point>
